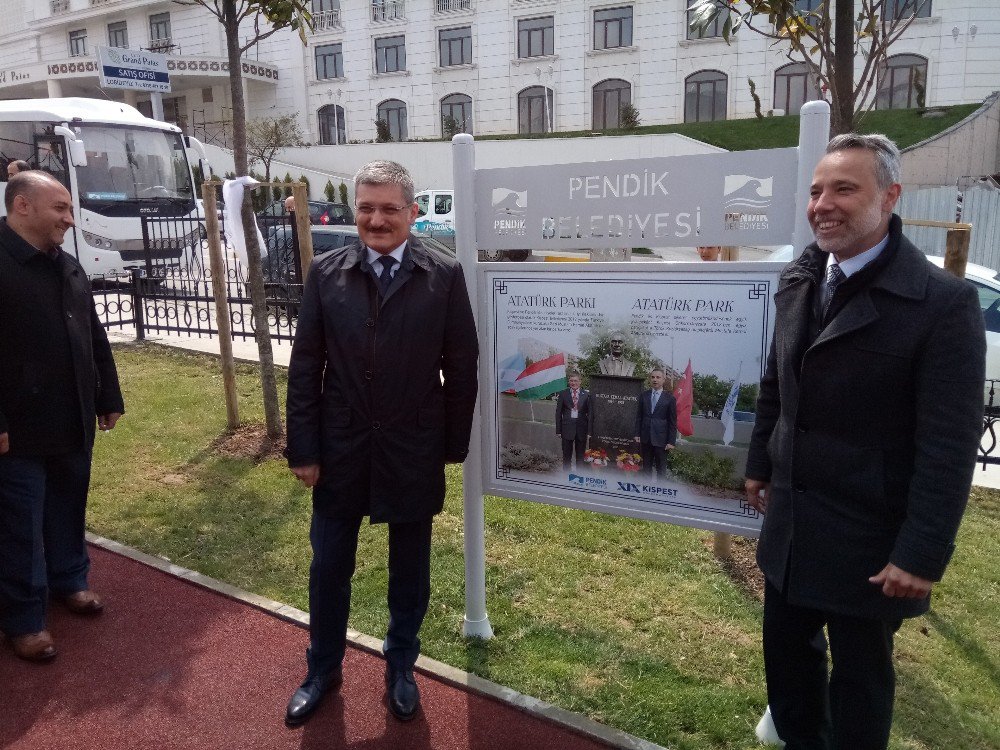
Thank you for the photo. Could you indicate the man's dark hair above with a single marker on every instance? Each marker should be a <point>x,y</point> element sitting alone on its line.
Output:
<point>21,164</point>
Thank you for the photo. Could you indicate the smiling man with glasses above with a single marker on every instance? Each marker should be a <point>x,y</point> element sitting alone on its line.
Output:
<point>381,391</point>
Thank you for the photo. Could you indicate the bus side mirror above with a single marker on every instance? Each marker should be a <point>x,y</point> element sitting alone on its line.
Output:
<point>77,150</point>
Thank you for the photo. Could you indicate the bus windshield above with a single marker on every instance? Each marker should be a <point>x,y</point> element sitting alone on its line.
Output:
<point>132,171</point>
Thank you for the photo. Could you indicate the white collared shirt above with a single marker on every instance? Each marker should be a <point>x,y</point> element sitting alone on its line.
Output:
<point>852,265</point>
<point>373,257</point>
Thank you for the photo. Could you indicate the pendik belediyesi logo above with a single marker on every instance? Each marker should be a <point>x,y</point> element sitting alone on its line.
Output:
<point>745,201</point>
<point>510,207</point>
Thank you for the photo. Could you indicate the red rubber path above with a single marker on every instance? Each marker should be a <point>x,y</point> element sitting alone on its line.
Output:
<point>171,665</point>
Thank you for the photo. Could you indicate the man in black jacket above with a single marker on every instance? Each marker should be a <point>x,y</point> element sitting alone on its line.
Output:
<point>57,374</point>
<point>382,386</point>
<point>868,422</point>
<point>656,425</point>
<point>573,420</point>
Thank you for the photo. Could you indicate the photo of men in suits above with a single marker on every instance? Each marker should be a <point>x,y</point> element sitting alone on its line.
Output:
<point>656,425</point>
<point>573,420</point>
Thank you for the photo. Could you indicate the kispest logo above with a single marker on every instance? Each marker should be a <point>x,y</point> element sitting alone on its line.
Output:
<point>745,201</point>
<point>509,210</point>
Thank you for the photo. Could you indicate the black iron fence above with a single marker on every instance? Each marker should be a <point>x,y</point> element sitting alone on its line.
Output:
<point>170,290</point>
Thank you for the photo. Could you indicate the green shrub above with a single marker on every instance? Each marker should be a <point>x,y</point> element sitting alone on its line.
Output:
<point>705,468</point>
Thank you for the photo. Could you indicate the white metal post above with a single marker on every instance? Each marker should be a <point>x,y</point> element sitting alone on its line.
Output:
<point>814,134</point>
<point>477,622</point>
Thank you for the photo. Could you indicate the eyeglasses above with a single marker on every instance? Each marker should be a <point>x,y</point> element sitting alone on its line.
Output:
<point>390,211</point>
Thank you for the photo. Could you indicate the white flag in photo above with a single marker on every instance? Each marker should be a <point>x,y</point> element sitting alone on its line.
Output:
<point>729,411</point>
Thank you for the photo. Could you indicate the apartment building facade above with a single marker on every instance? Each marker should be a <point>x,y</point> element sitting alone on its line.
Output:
<point>429,68</point>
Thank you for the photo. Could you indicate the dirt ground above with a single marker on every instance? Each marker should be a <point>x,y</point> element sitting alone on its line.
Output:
<point>249,441</point>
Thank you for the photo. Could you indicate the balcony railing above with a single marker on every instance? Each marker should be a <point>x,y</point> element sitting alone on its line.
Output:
<point>58,6</point>
<point>449,6</point>
<point>163,46</point>
<point>100,2</point>
<point>388,10</point>
<point>326,20</point>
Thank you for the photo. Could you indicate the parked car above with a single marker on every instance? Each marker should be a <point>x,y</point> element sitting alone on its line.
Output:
<point>320,212</point>
<point>987,285</point>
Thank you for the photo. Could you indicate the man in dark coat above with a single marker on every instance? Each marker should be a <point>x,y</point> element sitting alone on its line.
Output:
<point>656,425</point>
<point>382,387</point>
<point>868,422</point>
<point>57,379</point>
<point>573,421</point>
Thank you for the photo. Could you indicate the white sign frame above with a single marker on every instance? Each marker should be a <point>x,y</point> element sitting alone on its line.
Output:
<point>814,130</point>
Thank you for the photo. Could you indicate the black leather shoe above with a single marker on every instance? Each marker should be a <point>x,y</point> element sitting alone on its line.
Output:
<point>401,691</point>
<point>305,700</point>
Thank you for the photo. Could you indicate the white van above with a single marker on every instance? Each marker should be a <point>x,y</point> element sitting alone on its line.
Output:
<point>436,217</point>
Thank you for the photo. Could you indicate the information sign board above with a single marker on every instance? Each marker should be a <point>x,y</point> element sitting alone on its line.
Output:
<point>740,198</point>
<point>133,69</point>
<point>685,318</point>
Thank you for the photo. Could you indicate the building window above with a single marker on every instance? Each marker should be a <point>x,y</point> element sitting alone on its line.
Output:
<point>901,9</point>
<point>324,6</point>
<point>457,107</point>
<point>329,61</point>
<point>536,37</point>
<point>390,54</point>
<point>705,96</point>
<point>118,34</point>
<point>794,85</point>
<point>534,110</point>
<point>613,28</point>
<point>393,113</point>
<point>902,82</point>
<point>332,125</point>
<point>609,98</point>
<point>78,43</point>
<point>455,46</point>
<point>808,6</point>
<point>159,27</point>
<point>714,29</point>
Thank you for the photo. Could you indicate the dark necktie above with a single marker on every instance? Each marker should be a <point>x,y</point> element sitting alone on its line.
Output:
<point>834,277</point>
<point>385,278</point>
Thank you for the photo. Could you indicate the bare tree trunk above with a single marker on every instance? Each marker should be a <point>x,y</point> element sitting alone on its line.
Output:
<point>842,112</point>
<point>262,333</point>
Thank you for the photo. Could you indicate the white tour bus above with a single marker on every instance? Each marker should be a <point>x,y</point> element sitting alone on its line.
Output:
<point>117,164</point>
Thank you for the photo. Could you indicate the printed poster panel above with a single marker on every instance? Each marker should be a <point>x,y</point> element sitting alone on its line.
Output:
<point>704,334</point>
<point>744,198</point>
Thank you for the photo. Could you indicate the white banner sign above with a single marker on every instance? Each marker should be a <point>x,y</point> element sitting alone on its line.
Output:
<point>701,327</point>
<point>131,69</point>
<point>740,198</point>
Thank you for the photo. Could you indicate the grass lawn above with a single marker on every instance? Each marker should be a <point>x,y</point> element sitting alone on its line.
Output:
<point>630,622</point>
<point>904,126</point>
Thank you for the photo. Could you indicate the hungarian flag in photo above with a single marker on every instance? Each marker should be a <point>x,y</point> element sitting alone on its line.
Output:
<point>684,393</point>
<point>543,378</point>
